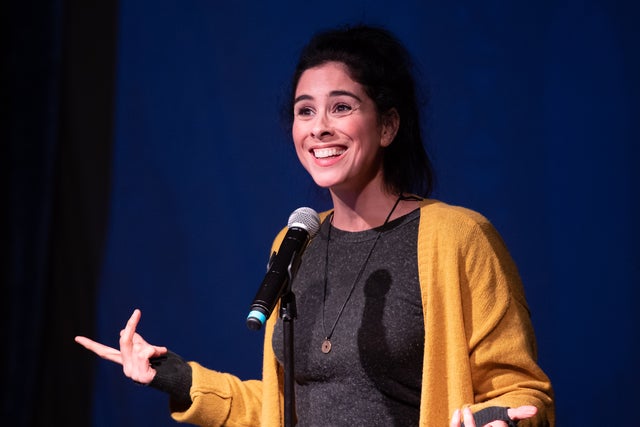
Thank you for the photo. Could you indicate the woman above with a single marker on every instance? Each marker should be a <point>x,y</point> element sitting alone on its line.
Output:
<point>408,309</point>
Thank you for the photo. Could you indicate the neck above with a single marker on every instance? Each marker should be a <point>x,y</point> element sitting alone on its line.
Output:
<point>364,210</point>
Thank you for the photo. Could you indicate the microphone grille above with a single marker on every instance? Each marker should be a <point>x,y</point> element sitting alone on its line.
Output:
<point>305,218</point>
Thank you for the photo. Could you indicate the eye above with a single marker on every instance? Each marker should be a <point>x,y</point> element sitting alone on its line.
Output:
<point>304,112</point>
<point>342,109</point>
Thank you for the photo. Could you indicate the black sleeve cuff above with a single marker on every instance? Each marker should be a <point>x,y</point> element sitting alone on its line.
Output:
<point>173,376</point>
<point>493,413</point>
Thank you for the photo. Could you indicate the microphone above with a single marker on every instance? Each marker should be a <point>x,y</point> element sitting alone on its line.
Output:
<point>303,224</point>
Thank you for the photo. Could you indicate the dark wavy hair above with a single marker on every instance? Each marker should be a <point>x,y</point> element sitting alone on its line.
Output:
<point>384,67</point>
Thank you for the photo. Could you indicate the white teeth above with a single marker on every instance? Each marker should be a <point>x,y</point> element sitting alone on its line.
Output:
<point>322,153</point>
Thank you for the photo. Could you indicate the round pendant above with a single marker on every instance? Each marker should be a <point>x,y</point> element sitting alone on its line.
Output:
<point>326,346</point>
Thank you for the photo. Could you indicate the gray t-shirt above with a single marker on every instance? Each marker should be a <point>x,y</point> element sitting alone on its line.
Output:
<point>372,375</point>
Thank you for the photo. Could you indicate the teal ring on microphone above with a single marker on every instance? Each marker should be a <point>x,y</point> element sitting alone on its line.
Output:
<point>257,315</point>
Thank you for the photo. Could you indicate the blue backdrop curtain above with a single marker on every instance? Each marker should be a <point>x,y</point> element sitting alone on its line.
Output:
<point>183,180</point>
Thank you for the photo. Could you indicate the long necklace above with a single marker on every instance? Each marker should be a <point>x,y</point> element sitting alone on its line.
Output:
<point>326,344</point>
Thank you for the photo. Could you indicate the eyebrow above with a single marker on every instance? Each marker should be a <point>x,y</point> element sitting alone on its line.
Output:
<point>333,93</point>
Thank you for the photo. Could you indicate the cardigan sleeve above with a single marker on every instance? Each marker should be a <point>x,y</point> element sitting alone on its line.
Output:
<point>221,399</point>
<point>500,336</point>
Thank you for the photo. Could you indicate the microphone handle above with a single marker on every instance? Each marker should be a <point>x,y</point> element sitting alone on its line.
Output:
<point>282,269</point>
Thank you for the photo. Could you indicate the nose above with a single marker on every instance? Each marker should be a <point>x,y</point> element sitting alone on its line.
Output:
<point>321,126</point>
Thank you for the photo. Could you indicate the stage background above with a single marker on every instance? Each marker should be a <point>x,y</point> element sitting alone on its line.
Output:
<point>145,163</point>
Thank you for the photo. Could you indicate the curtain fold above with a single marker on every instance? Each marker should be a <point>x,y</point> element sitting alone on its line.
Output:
<point>58,77</point>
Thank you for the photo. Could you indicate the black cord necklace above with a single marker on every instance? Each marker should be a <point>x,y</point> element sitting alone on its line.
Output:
<point>326,344</point>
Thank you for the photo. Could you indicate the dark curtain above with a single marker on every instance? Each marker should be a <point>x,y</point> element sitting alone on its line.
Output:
<point>58,78</point>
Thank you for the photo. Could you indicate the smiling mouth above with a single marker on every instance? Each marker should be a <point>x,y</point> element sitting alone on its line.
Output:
<point>323,153</point>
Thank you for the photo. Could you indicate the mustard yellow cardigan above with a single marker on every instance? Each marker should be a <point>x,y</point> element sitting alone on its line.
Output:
<point>479,343</point>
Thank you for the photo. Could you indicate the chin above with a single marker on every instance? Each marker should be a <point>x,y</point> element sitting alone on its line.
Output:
<point>322,178</point>
<point>323,183</point>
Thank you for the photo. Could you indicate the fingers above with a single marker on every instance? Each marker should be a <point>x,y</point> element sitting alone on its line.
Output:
<point>110,353</point>
<point>153,350</point>
<point>127,334</point>
<point>522,412</point>
<point>455,419</point>
<point>519,413</point>
<point>101,350</point>
<point>134,353</point>
<point>143,350</point>
<point>141,346</point>
<point>129,330</point>
<point>129,363</point>
<point>467,418</point>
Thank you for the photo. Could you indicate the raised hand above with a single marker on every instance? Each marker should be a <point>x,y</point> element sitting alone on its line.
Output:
<point>134,353</point>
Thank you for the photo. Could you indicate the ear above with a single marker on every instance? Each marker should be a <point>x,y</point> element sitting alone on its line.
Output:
<point>390,125</point>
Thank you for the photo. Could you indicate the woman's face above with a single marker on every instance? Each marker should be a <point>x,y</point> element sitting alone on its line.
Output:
<point>336,130</point>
